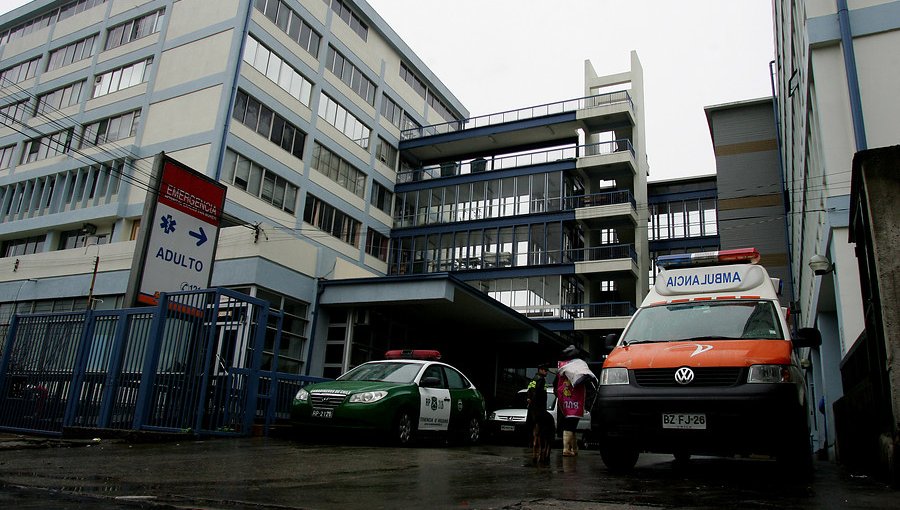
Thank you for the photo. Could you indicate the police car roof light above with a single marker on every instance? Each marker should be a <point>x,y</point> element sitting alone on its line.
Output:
<point>421,354</point>
<point>709,258</point>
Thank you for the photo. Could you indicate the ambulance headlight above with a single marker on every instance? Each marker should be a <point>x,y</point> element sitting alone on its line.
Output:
<point>610,376</point>
<point>367,397</point>
<point>302,395</point>
<point>769,374</point>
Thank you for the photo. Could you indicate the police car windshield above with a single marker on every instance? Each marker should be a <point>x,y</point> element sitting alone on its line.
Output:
<point>726,320</point>
<point>396,372</point>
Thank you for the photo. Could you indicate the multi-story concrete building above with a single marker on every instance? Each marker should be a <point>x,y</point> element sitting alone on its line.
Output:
<point>345,159</point>
<point>836,94</point>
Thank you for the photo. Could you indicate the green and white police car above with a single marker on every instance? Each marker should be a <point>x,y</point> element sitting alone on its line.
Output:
<point>408,394</point>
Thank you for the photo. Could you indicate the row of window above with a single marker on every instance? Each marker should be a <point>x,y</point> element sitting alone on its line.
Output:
<point>35,244</point>
<point>331,220</point>
<point>260,118</point>
<point>396,115</point>
<point>84,48</point>
<point>71,53</point>
<point>344,12</point>
<point>377,244</point>
<point>344,121</point>
<point>259,181</point>
<point>410,77</point>
<point>19,72</point>
<point>486,248</point>
<point>135,29</point>
<point>121,78</point>
<point>339,170</point>
<point>70,94</point>
<point>99,132</point>
<point>682,219</point>
<point>495,198</point>
<point>350,75</point>
<point>280,72</point>
<point>111,129</point>
<point>291,24</point>
<point>381,197</point>
<point>48,18</point>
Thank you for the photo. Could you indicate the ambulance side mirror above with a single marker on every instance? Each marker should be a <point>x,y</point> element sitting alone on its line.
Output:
<point>610,342</point>
<point>807,337</point>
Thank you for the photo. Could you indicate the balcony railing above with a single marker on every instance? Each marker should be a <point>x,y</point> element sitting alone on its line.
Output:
<point>597,199</point>
<point>598,310</point>
<point>601,253</point>
<point>478,165</point>
<point>520,114</point>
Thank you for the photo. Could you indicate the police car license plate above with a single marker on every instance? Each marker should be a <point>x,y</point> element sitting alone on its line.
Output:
<point>322,413</point>
<point>691,421</point>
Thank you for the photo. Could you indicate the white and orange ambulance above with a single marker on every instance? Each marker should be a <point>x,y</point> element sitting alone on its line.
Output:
<point>706,366</point>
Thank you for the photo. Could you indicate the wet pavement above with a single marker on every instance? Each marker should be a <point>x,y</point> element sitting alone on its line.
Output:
<point>270,473</point>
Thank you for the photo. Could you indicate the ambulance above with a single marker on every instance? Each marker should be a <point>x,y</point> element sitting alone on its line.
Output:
<point>706,366</point>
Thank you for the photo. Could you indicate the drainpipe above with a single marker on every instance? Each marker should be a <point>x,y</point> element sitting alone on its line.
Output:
<point>856,112</point>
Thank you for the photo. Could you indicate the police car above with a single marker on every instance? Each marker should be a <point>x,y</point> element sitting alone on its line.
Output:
<point>707,365</point>
<point>410,393</point>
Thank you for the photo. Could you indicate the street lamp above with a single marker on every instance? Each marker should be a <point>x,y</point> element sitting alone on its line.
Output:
<point>820,265</point>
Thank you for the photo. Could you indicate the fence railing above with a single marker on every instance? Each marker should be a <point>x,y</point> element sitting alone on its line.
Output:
<point>192,363</point>
<point>480,165</point>
<point>600,253</point>
<point>569,105</point>
<point>599,310</point>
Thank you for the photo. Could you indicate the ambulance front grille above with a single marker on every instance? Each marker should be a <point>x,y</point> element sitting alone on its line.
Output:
<point>703,376</point>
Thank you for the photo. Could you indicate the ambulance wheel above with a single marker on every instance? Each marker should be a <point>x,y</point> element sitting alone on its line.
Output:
<point>619,458</point>
<point>404,428</point>
<point>682,457</point>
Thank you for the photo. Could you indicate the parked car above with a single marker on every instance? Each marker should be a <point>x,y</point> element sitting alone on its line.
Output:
<point>509,424</point>
<point>408,395</point>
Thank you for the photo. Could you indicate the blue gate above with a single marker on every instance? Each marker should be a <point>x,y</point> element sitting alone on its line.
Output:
<point>191,364</point>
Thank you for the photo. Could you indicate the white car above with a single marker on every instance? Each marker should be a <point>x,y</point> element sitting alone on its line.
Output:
<point>510,423</point>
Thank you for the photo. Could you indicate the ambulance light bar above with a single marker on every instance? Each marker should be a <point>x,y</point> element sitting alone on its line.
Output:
<point>423,354</point>
<point>709,258</point>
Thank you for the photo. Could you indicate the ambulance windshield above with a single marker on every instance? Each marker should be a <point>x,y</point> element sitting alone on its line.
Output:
<point>725,320</point>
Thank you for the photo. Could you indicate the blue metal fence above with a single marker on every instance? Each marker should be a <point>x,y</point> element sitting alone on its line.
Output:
<point>191,364</point>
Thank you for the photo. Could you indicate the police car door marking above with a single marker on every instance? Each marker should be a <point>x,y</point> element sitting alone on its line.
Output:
<point>701,349</point>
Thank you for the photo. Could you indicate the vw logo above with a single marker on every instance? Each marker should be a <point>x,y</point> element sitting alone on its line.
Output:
<point>684,375</point>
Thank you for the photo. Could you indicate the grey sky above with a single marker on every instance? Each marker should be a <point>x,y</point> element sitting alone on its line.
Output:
<point>498,55</point>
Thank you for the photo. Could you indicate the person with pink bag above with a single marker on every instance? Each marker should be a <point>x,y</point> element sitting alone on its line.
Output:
<point>572,374</point>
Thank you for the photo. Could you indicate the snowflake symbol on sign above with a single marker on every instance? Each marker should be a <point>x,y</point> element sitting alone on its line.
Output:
<point>167,223</point>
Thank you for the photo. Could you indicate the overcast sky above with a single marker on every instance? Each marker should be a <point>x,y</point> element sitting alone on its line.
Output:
<point>497,55</point>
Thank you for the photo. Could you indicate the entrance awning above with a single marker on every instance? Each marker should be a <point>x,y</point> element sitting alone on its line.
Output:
<point>439,308</point>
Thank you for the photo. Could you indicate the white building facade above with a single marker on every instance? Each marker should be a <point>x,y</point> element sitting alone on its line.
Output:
<point>836,82</point>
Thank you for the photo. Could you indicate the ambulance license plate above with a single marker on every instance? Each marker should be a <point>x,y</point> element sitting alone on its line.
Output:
<point>690,421</point>
<point>322,413</point>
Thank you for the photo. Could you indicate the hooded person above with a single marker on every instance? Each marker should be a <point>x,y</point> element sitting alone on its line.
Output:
<point>572,377</point>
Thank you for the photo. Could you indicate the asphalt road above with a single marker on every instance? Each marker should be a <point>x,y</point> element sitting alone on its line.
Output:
<point>273,473</point>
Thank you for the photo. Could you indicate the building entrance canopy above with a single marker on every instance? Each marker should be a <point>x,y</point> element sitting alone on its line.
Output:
<point>441,311</point>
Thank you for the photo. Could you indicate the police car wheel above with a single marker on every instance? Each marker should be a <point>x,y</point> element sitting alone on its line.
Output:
<point>403,428</point>
<point>473,431</point>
